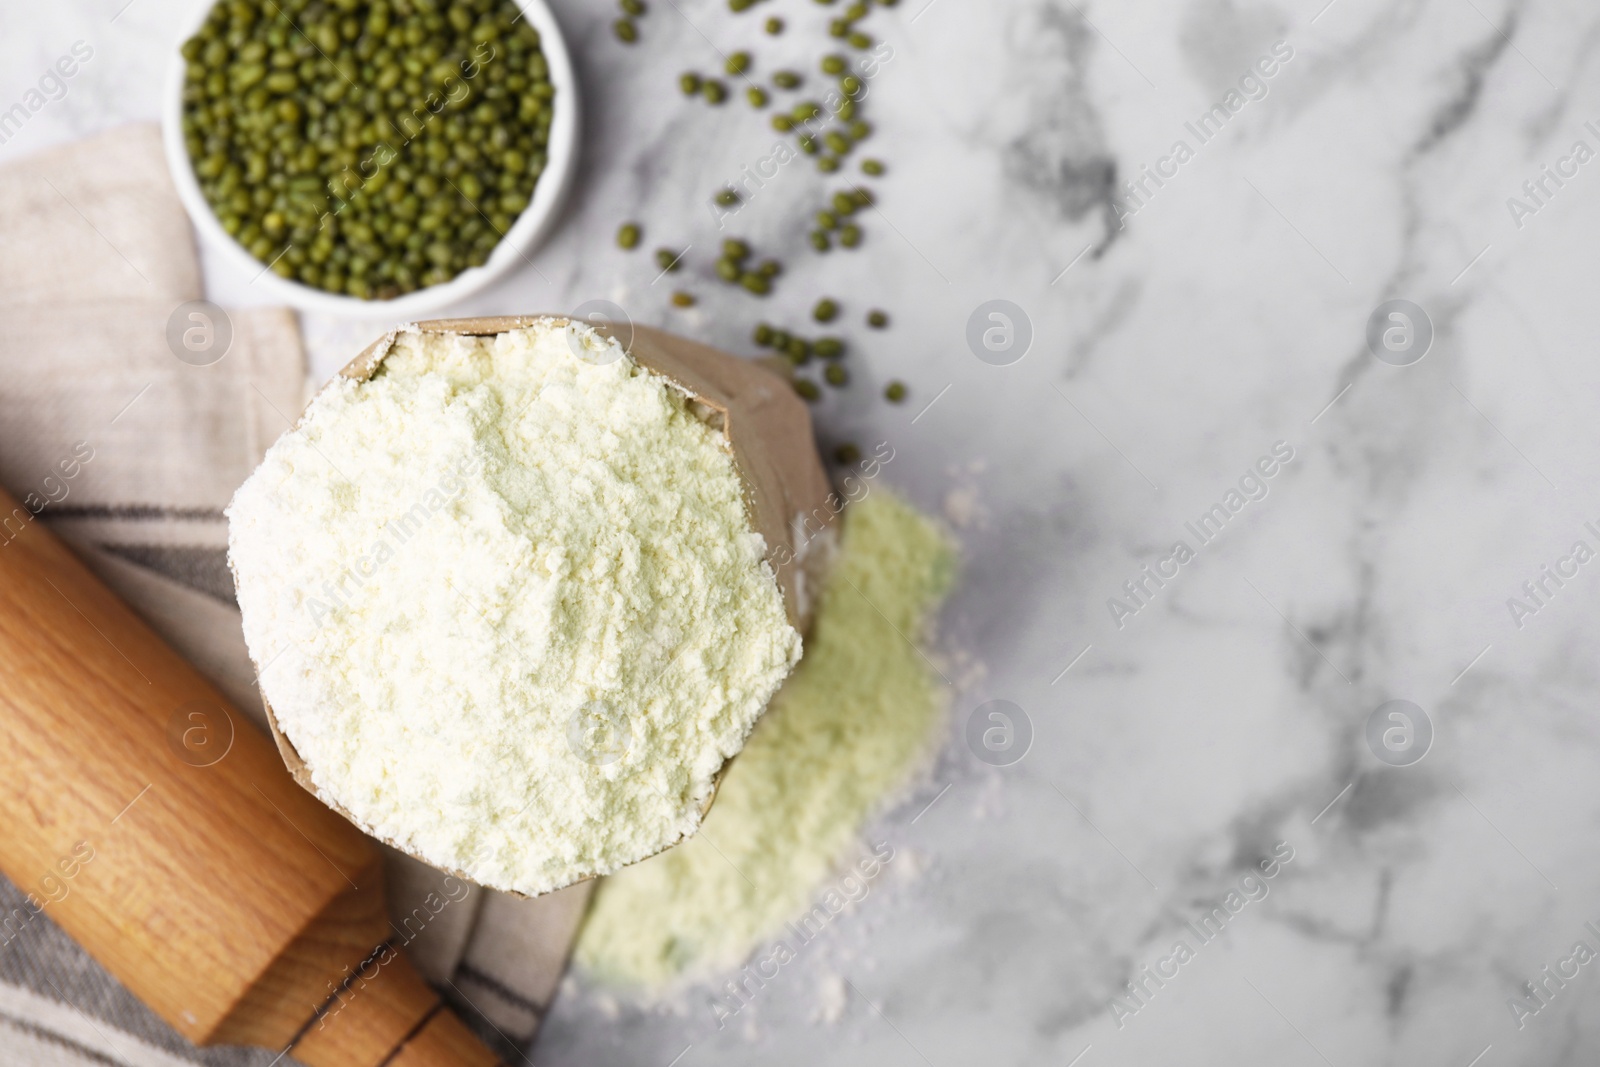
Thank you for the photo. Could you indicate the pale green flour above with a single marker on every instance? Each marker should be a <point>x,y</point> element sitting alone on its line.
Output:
<point>851,725</point>
<point>507,603</point>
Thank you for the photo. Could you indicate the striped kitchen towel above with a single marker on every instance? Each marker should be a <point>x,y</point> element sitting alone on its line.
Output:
<point>130,410</point>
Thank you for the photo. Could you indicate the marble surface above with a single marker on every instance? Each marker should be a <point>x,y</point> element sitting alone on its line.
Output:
<point>1179,333</point>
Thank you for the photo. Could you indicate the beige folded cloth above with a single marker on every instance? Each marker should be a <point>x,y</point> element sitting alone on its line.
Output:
<point>131,453</point>
<point>95,257</point>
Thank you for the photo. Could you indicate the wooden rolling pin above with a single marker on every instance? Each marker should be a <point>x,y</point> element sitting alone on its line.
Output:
<point>159,828</point>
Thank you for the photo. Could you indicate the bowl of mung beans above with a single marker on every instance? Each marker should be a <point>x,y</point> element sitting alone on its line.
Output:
<point>372,157</point>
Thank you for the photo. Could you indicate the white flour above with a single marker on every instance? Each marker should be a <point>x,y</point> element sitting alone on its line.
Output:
<point>510,608</point>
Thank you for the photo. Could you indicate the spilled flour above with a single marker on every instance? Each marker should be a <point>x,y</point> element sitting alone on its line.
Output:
<point>849,728</point>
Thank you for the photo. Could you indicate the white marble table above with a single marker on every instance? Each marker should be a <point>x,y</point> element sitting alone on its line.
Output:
<point>1180,331</point>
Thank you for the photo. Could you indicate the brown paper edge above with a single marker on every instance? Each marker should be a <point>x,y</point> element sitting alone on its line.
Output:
<point>768,428</point>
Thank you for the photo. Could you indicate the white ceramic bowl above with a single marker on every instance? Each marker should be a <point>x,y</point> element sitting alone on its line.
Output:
<point>529,229</point>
